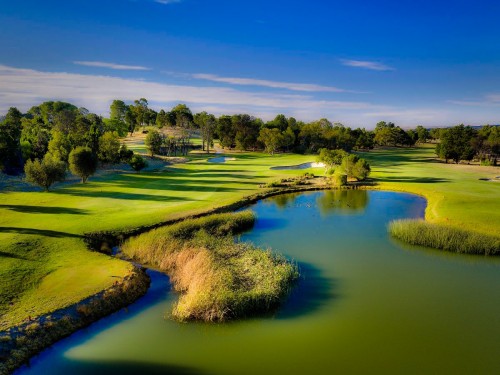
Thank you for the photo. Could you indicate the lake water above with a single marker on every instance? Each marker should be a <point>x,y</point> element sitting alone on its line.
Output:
<point>366,305</point>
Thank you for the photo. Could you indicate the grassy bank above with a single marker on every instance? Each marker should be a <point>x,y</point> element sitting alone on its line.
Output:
<point>217,278</point>
<point>419,232</point>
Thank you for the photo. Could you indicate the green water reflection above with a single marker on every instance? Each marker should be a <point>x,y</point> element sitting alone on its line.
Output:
<point>366,305</point>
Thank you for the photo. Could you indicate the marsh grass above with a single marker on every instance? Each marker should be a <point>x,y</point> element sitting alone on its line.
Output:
<point>419,232</point>
<point>218,279</point>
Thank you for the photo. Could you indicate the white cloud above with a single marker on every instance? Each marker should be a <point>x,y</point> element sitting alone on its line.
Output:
<point>100,64</point>
<point>307,87</point>
<point>371,65</point>
<point>26,87</point>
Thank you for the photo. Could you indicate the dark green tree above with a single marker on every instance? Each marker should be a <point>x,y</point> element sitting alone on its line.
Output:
<point>82,162</point>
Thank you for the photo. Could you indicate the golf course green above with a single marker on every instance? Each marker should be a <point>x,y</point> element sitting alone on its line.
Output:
<point>46,266</point>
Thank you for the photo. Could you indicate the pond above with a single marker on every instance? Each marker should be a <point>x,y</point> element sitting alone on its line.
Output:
<point>366,304</point>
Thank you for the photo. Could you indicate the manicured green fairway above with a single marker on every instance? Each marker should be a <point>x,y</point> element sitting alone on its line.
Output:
<point>44,264</point>
<point>455,194</point>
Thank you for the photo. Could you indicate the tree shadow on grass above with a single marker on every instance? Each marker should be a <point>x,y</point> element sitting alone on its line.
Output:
<point>43,210</point>
<point>38,232</point>
<point>421,180</point>
<point>310,294</point>
<point>12,256</point>
<point>94,193</point>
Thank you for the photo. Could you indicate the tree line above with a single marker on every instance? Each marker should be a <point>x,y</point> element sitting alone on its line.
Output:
<point>57,128</point>
<point>467,143</point>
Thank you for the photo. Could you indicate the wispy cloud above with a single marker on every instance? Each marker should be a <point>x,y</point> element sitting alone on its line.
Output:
<point>167,1</point>
<point>371,65</point>
<point>490,100</point>
<point>100,64</point>
<point>306,87</point>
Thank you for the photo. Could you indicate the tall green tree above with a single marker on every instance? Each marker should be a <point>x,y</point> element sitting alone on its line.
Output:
<point>10,141</point>
<point>118,110</point>
<point>207,124</point>
<point>271,138</point>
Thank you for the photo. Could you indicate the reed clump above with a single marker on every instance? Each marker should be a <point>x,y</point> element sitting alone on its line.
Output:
<point>217,278</point>
<point>422,233</point>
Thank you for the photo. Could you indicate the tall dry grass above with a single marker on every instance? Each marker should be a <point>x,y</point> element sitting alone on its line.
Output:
<point>218,279</point>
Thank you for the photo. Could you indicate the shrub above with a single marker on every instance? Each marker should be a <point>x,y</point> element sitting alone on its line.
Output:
<point>419,232</point>
<point>125,154</point>
<point>361,170</point>
<point>82,162</point>
<point>138,163</point>
<point>339,179</point>
<point>153,141</point>
<point>46,172</point>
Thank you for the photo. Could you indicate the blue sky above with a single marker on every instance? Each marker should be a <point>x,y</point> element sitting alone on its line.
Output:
<point>357,62</point>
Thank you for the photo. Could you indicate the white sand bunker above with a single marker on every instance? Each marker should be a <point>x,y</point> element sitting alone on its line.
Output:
<point>299,166</point>
<point>221,159</point>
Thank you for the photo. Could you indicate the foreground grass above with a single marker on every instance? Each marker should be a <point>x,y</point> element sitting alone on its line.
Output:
<point>419,232</point>
<point>217,278</point>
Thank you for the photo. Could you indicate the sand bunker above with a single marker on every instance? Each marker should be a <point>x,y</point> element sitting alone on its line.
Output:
<point>221,159</point>
<point>299,166</point>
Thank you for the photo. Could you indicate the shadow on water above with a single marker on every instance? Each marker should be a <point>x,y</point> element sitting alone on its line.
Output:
<point>124,368</point>
<point>310,294</point>
<point>267,224</point>
<point>43,210</point>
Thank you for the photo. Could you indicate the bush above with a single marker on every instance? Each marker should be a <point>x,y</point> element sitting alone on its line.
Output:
<point>138,163</point>
<point>419,232</point>
<point>361,170</point>
<point>339,179</point>
<point>125,154</point>
<point>46,172</point>
<point>82,162</point>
